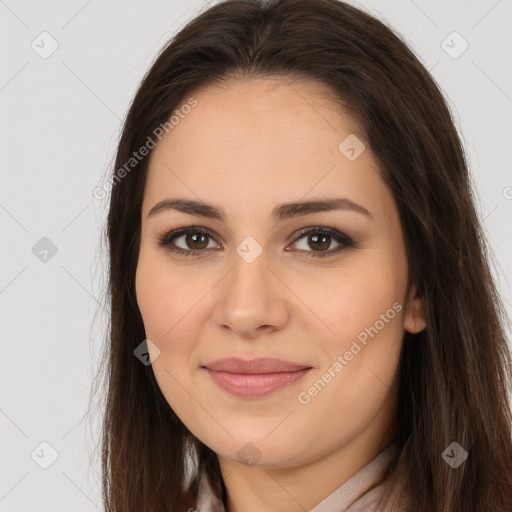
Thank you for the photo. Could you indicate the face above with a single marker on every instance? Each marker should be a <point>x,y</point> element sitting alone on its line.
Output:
<point>322,287</point>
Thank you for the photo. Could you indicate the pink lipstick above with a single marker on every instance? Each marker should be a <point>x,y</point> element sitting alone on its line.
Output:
<point>255,377</point>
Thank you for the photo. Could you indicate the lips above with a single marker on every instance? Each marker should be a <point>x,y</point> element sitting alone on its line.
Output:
<point>254,366</point>
<point>256,377</point>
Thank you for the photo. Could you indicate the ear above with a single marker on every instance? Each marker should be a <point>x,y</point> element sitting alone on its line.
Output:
<point>414,316</point>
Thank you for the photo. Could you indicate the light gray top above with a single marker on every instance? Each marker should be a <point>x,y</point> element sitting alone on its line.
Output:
<point>361,492</point>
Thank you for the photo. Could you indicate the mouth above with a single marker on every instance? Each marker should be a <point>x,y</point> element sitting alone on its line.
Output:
<point>256,377</point>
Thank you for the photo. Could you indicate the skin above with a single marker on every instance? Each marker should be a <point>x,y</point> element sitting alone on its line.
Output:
<point>247,146</point>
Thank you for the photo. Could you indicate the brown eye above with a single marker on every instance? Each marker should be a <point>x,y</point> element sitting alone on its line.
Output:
<point>319,239</point>
<point>193,239</point>
<point>196,240</point>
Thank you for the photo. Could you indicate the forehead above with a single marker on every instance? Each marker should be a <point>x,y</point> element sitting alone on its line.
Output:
<point>260,141</point>
<point>277,111</point>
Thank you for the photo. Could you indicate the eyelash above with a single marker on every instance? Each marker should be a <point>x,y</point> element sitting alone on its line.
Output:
<point>344,241</point>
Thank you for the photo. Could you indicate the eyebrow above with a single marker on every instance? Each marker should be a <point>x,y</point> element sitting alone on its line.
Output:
<point>280,212</point>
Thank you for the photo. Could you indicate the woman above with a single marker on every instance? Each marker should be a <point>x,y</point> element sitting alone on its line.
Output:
<point>302,312</point>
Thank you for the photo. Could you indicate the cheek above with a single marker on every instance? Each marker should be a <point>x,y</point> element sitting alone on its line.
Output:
<point>166,297</point>
<point>168,313</point>
<point>151,293</point>
<point>364,311</point>
<point>174,310</point>
<point>358,376</point>
<point>348,300</point>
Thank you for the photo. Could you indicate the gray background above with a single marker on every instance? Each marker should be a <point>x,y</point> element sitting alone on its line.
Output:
<point>60,120</point>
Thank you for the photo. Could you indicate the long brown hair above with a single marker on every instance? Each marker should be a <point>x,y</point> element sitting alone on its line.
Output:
<point>455,375</point>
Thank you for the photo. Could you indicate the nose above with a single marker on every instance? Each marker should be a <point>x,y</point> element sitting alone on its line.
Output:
<point>252,299</point>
